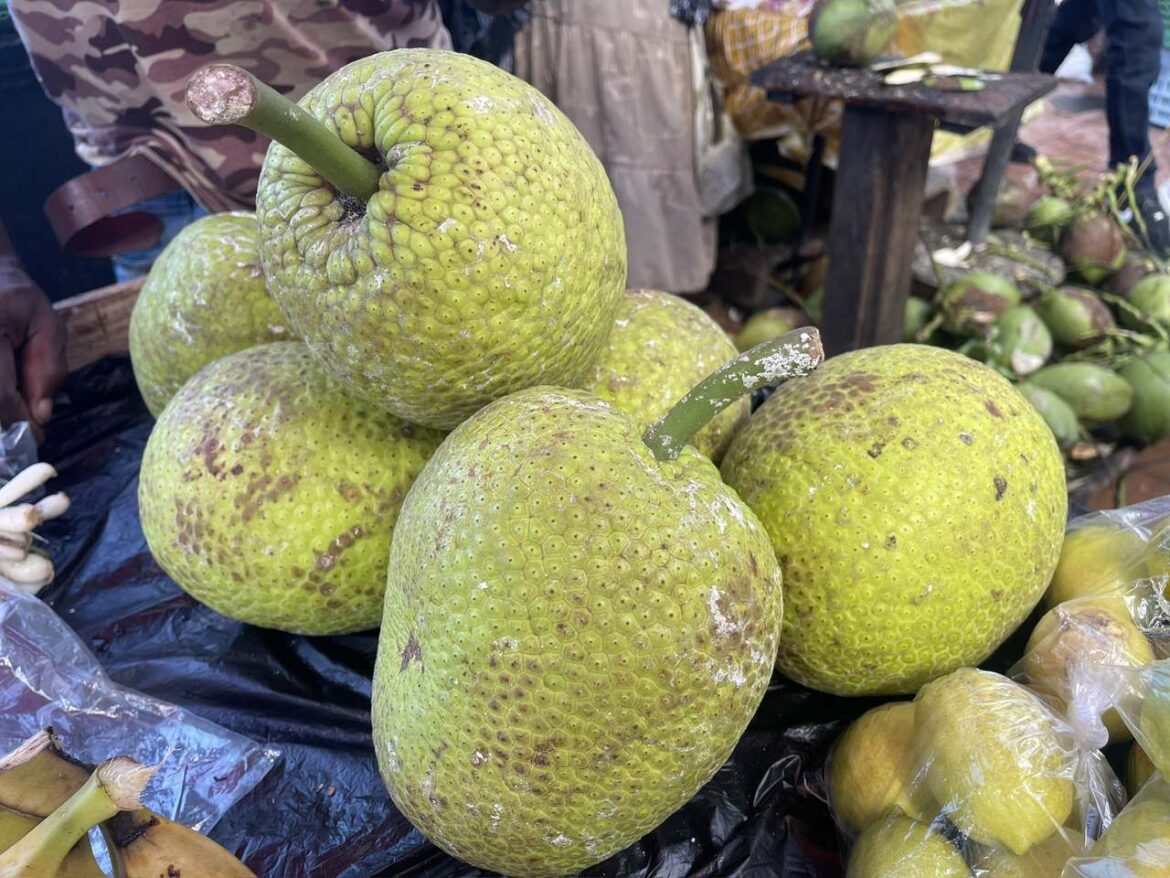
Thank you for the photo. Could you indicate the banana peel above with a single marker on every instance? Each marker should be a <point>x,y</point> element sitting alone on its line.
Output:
<point>115,785</point>
<point>147,845</point>
<point>38,777</point>
<point>78,863</point>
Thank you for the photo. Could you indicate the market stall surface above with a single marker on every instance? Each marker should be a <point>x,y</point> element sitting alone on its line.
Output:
<point>323,811</point>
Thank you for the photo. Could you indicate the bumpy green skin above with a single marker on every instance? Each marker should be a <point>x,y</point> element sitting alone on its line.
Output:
<point>270,495</point>
<point>204,299</point>
<point>575,635</point>
<point>879,477</point>
<point>995,757</point>
<point>904,848</point>
<point>660,347</point>
<point>492,258</point>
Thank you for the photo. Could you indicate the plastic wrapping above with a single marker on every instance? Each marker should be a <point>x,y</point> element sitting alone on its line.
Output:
<point>978,775</point>
<point>49,678</point>
<point>18,449</point>
<point>323,810</point>
<point>1004,776</point>
<point>1137,844</point>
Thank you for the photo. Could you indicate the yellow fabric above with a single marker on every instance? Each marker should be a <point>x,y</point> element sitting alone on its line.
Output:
<point>980,34</point>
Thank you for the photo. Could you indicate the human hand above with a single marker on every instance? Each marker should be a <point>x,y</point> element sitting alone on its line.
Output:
<point>32,354</point>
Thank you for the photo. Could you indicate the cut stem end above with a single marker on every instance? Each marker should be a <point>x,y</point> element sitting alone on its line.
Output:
<point>775,361</point>
<point>223,94</point>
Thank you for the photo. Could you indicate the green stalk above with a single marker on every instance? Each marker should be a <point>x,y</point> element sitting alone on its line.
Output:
<point>223,94</point>
<point>791,355</point>
<point>114,786</point>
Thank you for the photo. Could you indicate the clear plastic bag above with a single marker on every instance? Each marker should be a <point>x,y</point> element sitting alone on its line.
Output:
<point>49,678</point>
<point>978,775</point>
<point>1105,551</point>
<point>18,449</point>
<point>1003,776</point>
<point>1137,844</point>
<point>1122,628</point>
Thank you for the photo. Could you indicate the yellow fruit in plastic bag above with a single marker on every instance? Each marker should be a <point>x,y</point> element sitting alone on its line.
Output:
<point>1136,845</point>
<point>903,848</point>
<point>871,771</point>
<point>1157,559</point>
<point>1138,769</point>
<point>1094,560</point>
<point>997,759</point>
<point>1155,718</point>
<point>1045,860</point>
<point>1098,631</point>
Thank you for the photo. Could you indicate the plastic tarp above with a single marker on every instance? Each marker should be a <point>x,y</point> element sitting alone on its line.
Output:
<point>322,809</point>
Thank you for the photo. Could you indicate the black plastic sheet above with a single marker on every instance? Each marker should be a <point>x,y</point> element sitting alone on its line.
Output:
<point>323,811</point>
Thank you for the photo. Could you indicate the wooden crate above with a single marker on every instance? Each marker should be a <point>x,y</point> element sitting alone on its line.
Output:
<point>97,323</point>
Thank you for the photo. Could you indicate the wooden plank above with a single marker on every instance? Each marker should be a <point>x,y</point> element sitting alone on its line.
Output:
<point>881,177</point>
<point>97,323</point>
<point>802,75</point>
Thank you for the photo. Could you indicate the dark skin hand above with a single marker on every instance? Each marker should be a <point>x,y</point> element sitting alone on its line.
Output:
<point>32,346</point>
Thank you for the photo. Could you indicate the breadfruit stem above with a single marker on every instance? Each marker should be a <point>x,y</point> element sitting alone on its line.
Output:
<point>115,785</point>
<point>224,94</point>
<point>791,355</point>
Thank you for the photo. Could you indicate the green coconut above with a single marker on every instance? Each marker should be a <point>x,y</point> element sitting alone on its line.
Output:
<point>1057,414</point>
<point>1020,341</point>
<point>851,33</point>
<point>1076,318</point>
<point>1096,394</point>
<point>1148,419</point>
<point>1150,296</point>
<point>1093,247</point>
<point>972,303</point>
<point>1047,217</point>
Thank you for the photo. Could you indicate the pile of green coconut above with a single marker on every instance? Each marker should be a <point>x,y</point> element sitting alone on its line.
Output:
<point>1064,301</point>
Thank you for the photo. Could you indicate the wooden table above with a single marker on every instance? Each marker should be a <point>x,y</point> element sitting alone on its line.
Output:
<point>881,175</point>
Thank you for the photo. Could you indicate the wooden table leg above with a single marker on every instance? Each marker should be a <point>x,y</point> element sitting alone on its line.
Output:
<point>1037,16</point>
<point>881,176</point>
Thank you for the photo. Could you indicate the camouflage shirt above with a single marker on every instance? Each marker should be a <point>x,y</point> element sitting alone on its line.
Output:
<point>119,68</point>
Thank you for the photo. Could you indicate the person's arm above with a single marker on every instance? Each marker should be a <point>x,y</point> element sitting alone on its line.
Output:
<point>498,7</point>
<point>32,344</point>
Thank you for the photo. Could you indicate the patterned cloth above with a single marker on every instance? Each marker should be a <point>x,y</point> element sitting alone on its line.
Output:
<point>739,43</point>
<point>119,71</point>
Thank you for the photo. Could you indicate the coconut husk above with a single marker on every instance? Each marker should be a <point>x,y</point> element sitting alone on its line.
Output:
<point>1007,252</point>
